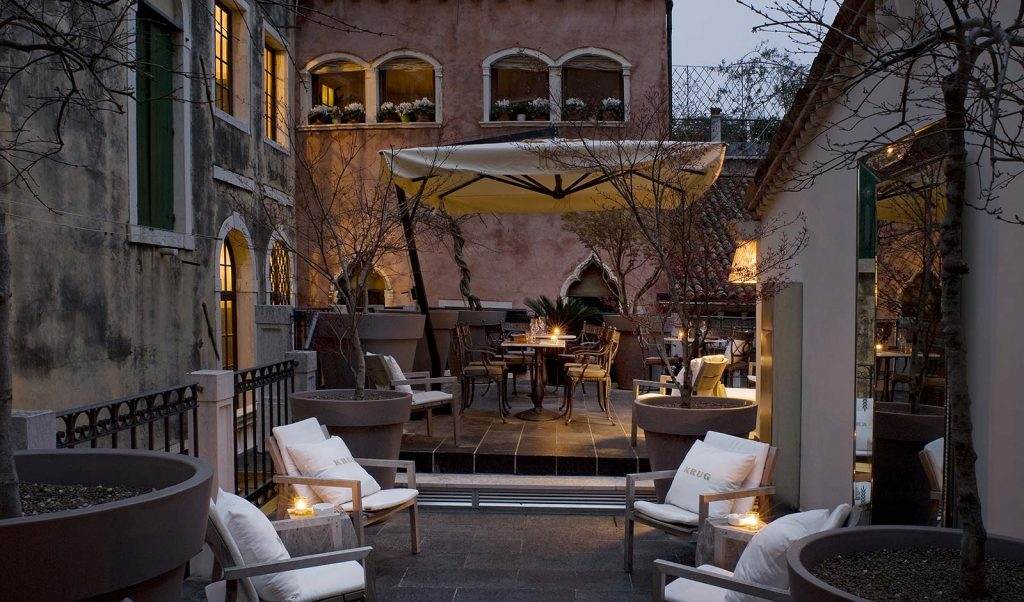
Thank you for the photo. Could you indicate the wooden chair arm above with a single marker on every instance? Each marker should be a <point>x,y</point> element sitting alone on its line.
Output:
<point>650,384</point>
<point>321,482</point>
<point>663,568</point>
<point>407,465</point>
<point>705,499</point>
<point>302,562</point>
<point>657,475</point>
<point>420,374</point>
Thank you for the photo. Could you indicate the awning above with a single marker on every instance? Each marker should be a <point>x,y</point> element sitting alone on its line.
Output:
<point>555,175</point>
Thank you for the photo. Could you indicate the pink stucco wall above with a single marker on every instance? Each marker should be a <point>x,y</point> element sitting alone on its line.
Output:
<point>511,257</point>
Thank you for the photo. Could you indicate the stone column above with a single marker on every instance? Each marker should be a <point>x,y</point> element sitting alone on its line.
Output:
<point>33,429</point>
<point>305,369</point>
<point>216,424</point>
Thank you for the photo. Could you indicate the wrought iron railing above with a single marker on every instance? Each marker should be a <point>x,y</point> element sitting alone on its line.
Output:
<point>260,404</point>
<point>164,420</point>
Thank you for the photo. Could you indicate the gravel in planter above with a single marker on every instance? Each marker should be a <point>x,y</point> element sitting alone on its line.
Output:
<point>916,574</point>
<point>697,403</point>
<point>38,498</point>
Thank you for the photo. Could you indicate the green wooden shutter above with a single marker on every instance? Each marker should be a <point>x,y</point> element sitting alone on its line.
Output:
<point>155,121</point>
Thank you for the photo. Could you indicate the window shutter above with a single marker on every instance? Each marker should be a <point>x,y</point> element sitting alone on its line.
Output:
<point>155,123</point>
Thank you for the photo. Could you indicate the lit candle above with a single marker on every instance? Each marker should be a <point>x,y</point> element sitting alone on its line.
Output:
<point>751,520</point>
<point>556,331</point>
<point>878,346</point>
<point>300,507</point>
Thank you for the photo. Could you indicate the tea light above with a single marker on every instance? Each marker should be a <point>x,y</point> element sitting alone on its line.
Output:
<point>300,507</point>
<point>750,520</point>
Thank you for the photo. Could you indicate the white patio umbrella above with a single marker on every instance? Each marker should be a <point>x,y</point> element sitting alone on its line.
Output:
<point>554,175</point>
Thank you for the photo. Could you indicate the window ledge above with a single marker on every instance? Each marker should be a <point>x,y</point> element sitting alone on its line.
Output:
<point>329,127</point>
<point>517,124</point>
<point>277,146</point>
<point>145,235</point>
<point>231,120</point>
<point>593,124</point>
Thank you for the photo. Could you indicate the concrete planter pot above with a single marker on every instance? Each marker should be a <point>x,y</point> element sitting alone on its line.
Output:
<point>443,322</point>
<point>387,333</point>
<point>807,553</point>
<point>629,361</point>
<point>669,431</point>
<point>899,491</point>
<point>371,427</point>
<point>134,548</point>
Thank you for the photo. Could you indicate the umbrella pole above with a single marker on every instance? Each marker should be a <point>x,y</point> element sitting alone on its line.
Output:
<point>417,279</point>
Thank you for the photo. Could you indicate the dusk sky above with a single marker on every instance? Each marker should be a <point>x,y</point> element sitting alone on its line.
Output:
<point>707,31</point>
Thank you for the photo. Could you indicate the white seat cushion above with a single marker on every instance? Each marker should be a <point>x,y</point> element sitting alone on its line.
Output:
<point>330,580</point>
<point>742,445</point>
<point>684,590</point>
<point>297,433</point>
<point>666,512</point>
<point>257,542</point>
<point>396,373</point>
<point>420,397</point>
<point>331,459</point>
<point>707,469</point>
<point>763,561</point>
<point>934,451</point>
<point>383,499</point>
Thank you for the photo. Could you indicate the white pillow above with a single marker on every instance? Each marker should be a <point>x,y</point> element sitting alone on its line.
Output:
<point>257,542</point>
<point>742,446</point>
<point>396,373</point>
<point>706,469</point>
<point>331,459</point>
<point>763,562</point>
<point>301,432</point>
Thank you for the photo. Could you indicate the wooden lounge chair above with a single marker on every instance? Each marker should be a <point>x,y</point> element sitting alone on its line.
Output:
<point>336,576</point>
<point>364,510</point>
<point>709,583</point>
<point>380,371</point>
<point>931,460</point>
<point>682,523</point>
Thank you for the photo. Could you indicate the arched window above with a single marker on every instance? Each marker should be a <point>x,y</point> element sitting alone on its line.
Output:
<point>280,275</point>
<point>376,287</point>
<point>339,83</point>
<point>592,288</point>
<point>228,307</point>
<point>594,85</point>
<point>517,81</point>
<point>407,85</point>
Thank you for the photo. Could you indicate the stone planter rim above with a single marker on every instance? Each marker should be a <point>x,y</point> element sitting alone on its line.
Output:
<point>202,472</point>
<point>645,409</point>
<point>384,406</point>
<point>798,569</point>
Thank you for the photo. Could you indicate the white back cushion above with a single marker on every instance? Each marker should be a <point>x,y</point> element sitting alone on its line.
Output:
<point>396,373</point>
<point>706,469</point>
<point>297,433</point>
<point>743,446</point>
<point>256,541</point>
<point>838,517</point>
<point>763,562</point>
<point>934,451</point>
<point>331,459</point>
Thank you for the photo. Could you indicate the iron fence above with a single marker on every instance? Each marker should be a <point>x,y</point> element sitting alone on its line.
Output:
<point>753,97</point>
<point>260,403</point>
<point>165,420</point>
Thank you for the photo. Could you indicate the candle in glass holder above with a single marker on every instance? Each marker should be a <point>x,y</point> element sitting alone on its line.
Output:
<point>300,507</point>
<point>751,520</point>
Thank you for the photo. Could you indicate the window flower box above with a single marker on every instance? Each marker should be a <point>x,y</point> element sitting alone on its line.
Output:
<point>574,110</point>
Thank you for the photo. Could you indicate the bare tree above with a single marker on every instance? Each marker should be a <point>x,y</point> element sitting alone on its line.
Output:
<point>613,238</point>
<point>954,61</point>
<point>653,181</point>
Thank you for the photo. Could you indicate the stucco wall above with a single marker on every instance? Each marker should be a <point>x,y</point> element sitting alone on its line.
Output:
<point>97,316</point>
<point>510,257</point>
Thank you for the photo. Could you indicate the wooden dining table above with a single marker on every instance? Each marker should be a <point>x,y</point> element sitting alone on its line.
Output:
<point>541,346</point>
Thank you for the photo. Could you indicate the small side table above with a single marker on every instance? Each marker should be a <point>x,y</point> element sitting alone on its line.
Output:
<point>721,544</point>
<point>316,534</point>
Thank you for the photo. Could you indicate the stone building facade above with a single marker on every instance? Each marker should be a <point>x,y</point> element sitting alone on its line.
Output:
<point>465,57</point>
<point>117,265</point>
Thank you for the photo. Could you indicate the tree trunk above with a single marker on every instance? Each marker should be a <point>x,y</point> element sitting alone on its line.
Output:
<point>954,266</point>
<point>10,502</point>
<point>458,244</point>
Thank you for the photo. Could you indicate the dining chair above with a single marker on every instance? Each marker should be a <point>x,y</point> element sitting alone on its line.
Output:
<point>474,364</point>
<point>592,366</point>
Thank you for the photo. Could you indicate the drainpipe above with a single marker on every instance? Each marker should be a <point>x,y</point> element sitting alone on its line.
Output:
<point>668,62</point>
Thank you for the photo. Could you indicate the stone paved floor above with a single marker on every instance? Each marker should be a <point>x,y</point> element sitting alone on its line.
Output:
<point>494,557</point>
<point>590,445</point>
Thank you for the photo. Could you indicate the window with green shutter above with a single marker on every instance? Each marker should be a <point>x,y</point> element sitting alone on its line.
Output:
<point>155,120</point>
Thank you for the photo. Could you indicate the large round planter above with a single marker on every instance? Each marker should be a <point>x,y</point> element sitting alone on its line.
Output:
<point>807,553</point>
<point>386,333</point>
<point>371,427</point>
<point>134,548</point>
<point>900,487</point>
<point>669,432</point>
<point>443,322</point>
<point>629,360</point>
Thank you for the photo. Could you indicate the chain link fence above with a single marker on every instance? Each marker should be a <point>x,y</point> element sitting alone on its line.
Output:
<point>753,98</point>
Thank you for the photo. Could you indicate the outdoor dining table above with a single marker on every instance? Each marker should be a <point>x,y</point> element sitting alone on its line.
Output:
<point>541,347</point>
